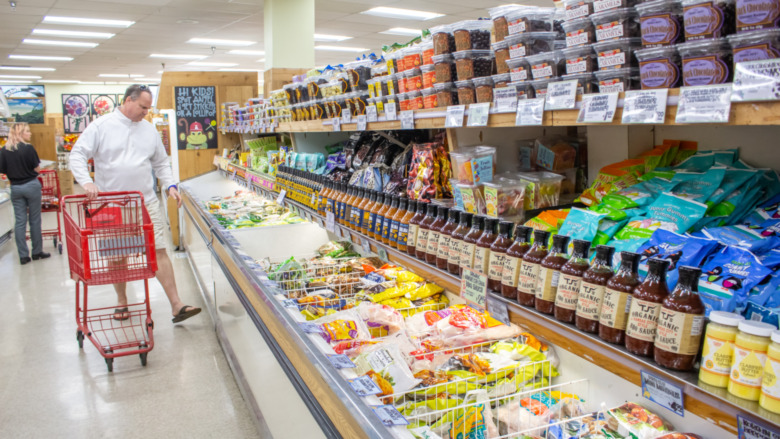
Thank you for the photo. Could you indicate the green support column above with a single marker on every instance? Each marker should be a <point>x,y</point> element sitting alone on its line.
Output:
<point>289,40</point>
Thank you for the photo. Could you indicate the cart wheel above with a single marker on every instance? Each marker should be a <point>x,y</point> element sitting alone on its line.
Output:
<point>55,242</point>
<point>110,364</point>
<point>80,338</point>
<point>143,358</point>
<point>59,247</point>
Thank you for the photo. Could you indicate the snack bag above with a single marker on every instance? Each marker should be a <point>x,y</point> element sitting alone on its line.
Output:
<point>697,186</point>
<point>652,158</point>
<point>687,149</point>
<point>424,173</point>
<point>581,224</point>
<point>476,420</point>
<point>670,148</point>
<point>623,245</point>
<point>633,420</point>
<point>386,366</point>
<point>733,179</point>
<point>752,239</point>
<point>638,195</point>
<point>699,162</point>
<point>343,326</point>
<point>607,229</point>
<point>680,250</point>
<point>668,212</point>
<point>727,278</point>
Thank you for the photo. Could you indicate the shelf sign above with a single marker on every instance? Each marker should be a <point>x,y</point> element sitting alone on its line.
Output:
<point>479,114</point>
<point>645,106</point>
<point>290,303</point>
<point>454,118</point>
<point>562,95</point>
<point>340,361</point>
<point>757,81</point>
<point>505,99</point>
<point>390,416</point>
<point>663,393</point>
<point>382,253</point>
<point>280,198</point>
<point>498,310</point>
<point>364,386</point>
<point>704,104</point>
<point>371,113</point>
<point>530,112</point>
<point>330,222</point>
<point>366,246</point>
<point>346,115</point>
<point>473,286</point>
<point>336,124</point>
<point>407,120</point>
<point>748,429</point>
<point>598,108</point>
<point>361,122</point>
<point>390,112</point>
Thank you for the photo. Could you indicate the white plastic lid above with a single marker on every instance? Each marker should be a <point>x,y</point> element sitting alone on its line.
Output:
<point>756,328</point>
<point>726,318</point>
<point>776,337</point>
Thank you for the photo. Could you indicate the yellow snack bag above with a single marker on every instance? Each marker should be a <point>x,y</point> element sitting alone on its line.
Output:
<point>398,303</point>
<point>397,291</point>
<point>408,276</point>
<point>424,291</point>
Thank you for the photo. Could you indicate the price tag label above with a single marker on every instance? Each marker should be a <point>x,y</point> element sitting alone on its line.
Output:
<point>364,386</point>
<point>346,234</point>
<point>505,99</point>
<point>473,287</point>
<point>390,111</point>
<point>407,120</point>
<point>340,361</point>
<point>663,393</point>
<point>382,253</point>
<point>748,429</point>
<point>479,114</point>
<point>598,108</point>
<point>498,310</point>
<point>346,115</point>
<point>390,416</point>
<point>290,303</point>
<point>319,222</point>
<point>371,113</point>
<point>366,245</point>
<point>280,198</point>
<point>561,95</point>
<point>454,117</point>
<point>704,104</point>
<point>361,122</point>
<point>757,81</point>
<point>530,112</point>
<point>645,106</point>
<point>311,328</point>
<point>330,222</point>
<point>336,124</point>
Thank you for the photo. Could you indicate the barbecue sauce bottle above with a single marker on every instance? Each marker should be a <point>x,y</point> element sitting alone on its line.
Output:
<point>403,226</point>
<point>482,250</point>
<point>365,222</point>
<point>425,231</point>
<point>681,323</point>
<point>469,246</point>
<point>453,259</point>
<point>592,288</point>
<point>617,299</point>
<point>388,219</point>
<point>395,223</point>
<point>433,238</point>
<point>445,239</point>
<point>498,255</point>
<point>529,269</point>
<point>569,283</point>
<point>374,222</point>
<point>514,255</point>
<point>550,274</point>
<point>645,309</point>
<point>414,227</point>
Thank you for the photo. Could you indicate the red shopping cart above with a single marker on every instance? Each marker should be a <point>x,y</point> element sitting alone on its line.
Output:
<point>50,202</point>
<point>111,240</point>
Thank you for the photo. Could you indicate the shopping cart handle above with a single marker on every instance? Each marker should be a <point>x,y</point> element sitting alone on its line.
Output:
<point>88,213</point>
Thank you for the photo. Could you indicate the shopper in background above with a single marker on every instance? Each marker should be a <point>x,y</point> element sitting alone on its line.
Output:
<point>126,148</point>
<point>19,161</point>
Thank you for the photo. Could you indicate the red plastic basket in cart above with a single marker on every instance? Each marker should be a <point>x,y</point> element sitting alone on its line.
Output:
<point>111,240</point>
<point>50,202</point>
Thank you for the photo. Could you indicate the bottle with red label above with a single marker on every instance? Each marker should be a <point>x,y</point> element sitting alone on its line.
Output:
<point>529,269</point>
<point>617,299</point>
<point>550,274</point>
<point>681,323</point>
<point>514,255</point>
<point>646,307</point>
<point>594,282</point>
<point>569,283</point>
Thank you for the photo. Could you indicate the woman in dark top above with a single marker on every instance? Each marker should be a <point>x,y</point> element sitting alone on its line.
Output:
<point>19,161</point>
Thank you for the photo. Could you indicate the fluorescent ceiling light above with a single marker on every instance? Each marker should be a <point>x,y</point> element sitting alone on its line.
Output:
<point>341,48</point>
<point>58,81</point>
<point>240,70</point>
<point>41,58</point>
<point>239,43</point>
<point>72,33</point>
<point>211,64</point>
<point>408,14</point>
<point>261,60</point>
<point>92,82</point>
<point>403,31</point>
<point>330,38</point>
<point>119,75</point>
<point>37,69</point>
<point>87,21</point>
<point>176,56</point>
<point>7,81</point>
<point>246,52</point>
<point>19,77</point>
<point>59,43</point>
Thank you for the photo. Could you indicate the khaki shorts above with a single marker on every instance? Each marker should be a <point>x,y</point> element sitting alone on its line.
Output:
<point>153,207</point>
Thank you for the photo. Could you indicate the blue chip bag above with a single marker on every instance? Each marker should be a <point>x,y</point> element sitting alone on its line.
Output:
<point>623,245</point>
<point>607,229</point>
<point>678,249</point>
<point>763,314</point>
<point>743,236</point>
<point>581,224</point>
<point>668,212</point>
<point>698,186</point>
<point>770,286</point>
<point>638,195</point>
<point>698,162</point>
<point>725,157</point>
<point>733,179</point>
<point>727,278</point>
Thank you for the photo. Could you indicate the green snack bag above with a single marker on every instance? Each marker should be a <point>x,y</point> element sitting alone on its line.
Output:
<point>614,214</point>
<point>671,146</point>
<point>638,195</point>
<point>608,229</point>
<point>581,224</point>
<point>687,149</point>
<point>668,212</point>
<point>698,186</point>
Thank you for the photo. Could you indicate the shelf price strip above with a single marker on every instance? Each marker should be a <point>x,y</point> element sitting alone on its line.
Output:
<point>562,95</point>
<point>390,112</point>
<point>598,108</point>
<point>530,112</point>
<point>757,81</point>
<point>364,386</point>
<point>645,106</point>
<point>361,122</point>
<point>407,120</point>
<point>704,104</point>
<point>336,124</point>
<point>498,310</point>
<point>479,114</point>
<point>505,99</point>
<point>454,118</point>
<point>389,415</point>
<point>371,113</point>
<point>663,393</point>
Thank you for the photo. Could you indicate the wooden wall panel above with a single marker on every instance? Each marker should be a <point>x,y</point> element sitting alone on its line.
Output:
<point>165,100</point>
<point>43,141</point>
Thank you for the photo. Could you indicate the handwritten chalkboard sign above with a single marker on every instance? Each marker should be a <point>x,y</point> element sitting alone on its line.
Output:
<point>196,117</point>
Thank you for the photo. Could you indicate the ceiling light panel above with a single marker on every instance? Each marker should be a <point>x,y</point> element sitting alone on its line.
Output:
<point>246,52</point>
<point>403,14</point>
<point>211,64</point>
<point>31,69</point>
<point>403,31</point>
<point>119,75</point>
<point>330,38</point>
<point>341,48</point>
<point>176,56</point>
<point>58,81</point>
<point>41,58</point>
<point>218,42</point>
<point>72,34</point>
<point>87,21</point>
<point>7,81</point>
<point>19,77</point>
<point>59,43</point>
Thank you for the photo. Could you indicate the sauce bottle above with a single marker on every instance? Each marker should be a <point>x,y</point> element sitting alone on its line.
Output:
<point>482,250</point>
<point>432,249</point>
<point>718,348</point>
<point>592,288</point>
<point>403,227</point>
<point>550,274</point>
<point>346,191</point>
<point>395,223</point>
<point>421,247</point>
<point>357,211</point>
<point>353,202</point>
<point>331,204</point>
<point>414,227</point>
<point>340,195</point>
<point>680,324</point>
<point>323,198</point>
<point>617,299</point>
<point>529,269</point>
<point>514,255</point>
<point>445,239</point>
<point>470,242</point>
<point>750,353</point>
<point>365,223</point>
<point>498,255</point>
<point>381,215</point>
<point>348,204</point>
<point>453,259</point>
<point>380,200</point>
<point>645,308</point>
<point>569,283</point>
<point>388,218</point>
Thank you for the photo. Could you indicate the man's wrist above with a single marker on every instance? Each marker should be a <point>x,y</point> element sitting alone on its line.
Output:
<point>172,186</point>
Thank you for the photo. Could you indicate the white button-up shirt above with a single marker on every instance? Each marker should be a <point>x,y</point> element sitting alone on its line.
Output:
<point>125,152</point>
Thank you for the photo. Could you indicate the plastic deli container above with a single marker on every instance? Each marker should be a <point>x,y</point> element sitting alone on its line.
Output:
<point>577,9</point>
<point>443,40</point>
<point>660,23</point>
<point>467,94</point>
<point>474,165</point>
<point>412,58</point>
<point>504,198</point>
<point>519,69</point>
<point>500,22</point>
<point>616,23</point>
<point>620,80</point>
<point>584,82</point>
<point>415,100</point>
<point>501,52</point>
<point>580,59</point>
<point>539,86</point>
<point>530,43</point>
<point>426,49</point>
<point>444,68</point>
<point>659,67</point>
<point>606,5</point>
<point>705,62</point>
<point>703,19</point>
<point>472,34</point>
<point>616,54</point>
<point>530,19</point>
<point>400,82</point>
<point>524,89</point>
<point>403,102</point>
<point>579,32</point>
<point>547,65</point>
<point>543,189</point>
<point>372,87</point>
<point>473,197</point>
<point>501,80</point>
<point>359,72</point>
<point>755,46</point>
<point>471,64</point>
<point>413,80</point>
<point>446,94</point>
<point>483,88</point>
<point>428,76</point>
<point>429,98</point>
<point>757,14</point>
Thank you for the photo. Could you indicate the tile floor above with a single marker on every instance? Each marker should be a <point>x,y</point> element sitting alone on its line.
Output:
<point>50,388</point>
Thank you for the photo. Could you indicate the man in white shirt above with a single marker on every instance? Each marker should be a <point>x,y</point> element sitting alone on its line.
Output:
<point>126,148</point>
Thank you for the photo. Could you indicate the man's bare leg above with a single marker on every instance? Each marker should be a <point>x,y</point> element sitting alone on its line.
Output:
<point>167,280</point>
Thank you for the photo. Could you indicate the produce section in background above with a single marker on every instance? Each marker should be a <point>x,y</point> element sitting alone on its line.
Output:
<point>245,209</point>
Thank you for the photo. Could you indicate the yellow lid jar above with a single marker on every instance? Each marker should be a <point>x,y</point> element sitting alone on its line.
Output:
<point>747,367</point>
<point>770,387</point>
<point>718,349</point>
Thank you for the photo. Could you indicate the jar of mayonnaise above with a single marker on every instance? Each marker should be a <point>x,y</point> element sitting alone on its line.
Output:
<point>770,387</point>
<point>750,353</point>
<point>719,348</point>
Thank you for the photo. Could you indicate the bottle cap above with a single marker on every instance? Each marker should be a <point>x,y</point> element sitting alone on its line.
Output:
<point>432,209</point>
<point>605,253</point>
<point>453,215</point>
<point>465,219</point>
<point>490,225</point>
<point>690,276</point>
<point>522,233</point>
<point>478,222</point>
<point>630,260</point>
<point>541,236</point>
<point>559,243</point>
<point>505,227</point>
<point>581,247</point>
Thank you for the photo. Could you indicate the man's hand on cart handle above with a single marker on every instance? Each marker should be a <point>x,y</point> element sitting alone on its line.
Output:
<point>174,193</point>
<point>92,190</point>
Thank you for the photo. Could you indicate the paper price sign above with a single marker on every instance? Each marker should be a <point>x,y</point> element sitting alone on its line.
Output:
<point>505,99</point>
<point>479,114</point>
<point>336,124</point>
<point>389,415</point>
<point>598,108</point>
<point>663,393</point>
<point>280,198</point>
<point>757,81</point>
<point>704,104</point>
<point>371,113</point>
<point>498,310</point>
<point>561,95</point>
<point>454,116</point>
<point>530,112</point>
<point>340,361</point>
<point>361,122</point>
<point>473,287</point>
<point>346,115</point>
<point>748,429</point>
<point>390,111</point>
<point>330,222</point>
<point>382,253</point>
<point>311,328</point>
<point>364,386</point>
<point>290,303</point>
<point>407,120</point>
<point>366,245</point>
<point>645,106</point>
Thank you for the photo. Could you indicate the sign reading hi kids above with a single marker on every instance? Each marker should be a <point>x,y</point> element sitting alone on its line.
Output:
<point>196,117</point>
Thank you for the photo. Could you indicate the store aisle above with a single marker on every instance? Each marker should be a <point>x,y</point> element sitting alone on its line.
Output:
<point>49,388</point>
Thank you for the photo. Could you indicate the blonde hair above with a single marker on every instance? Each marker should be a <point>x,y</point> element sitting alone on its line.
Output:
<point>15,135</point>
